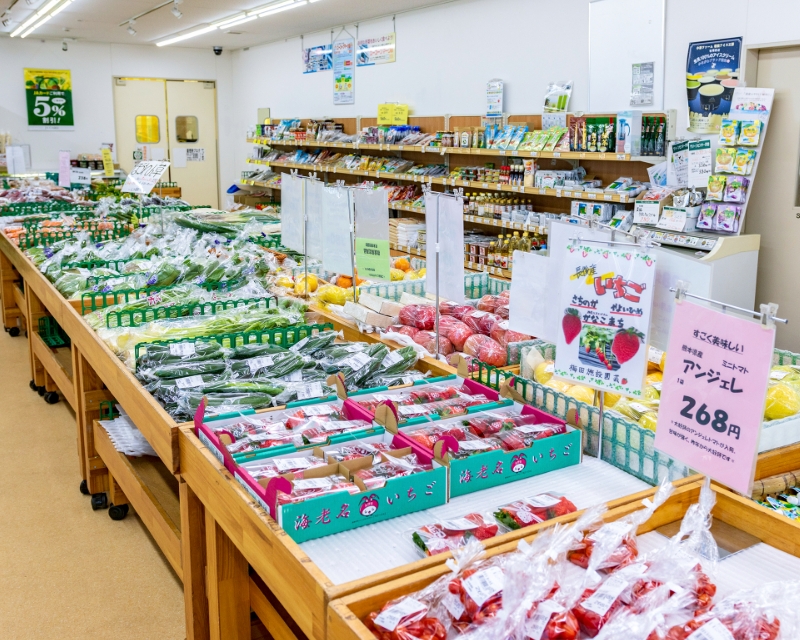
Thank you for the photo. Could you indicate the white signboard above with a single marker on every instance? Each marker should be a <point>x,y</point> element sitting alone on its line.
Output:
<point>80,176</point>
<point>144,176</point>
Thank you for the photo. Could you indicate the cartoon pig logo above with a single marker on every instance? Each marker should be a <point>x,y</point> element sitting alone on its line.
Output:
<point>369,505</point>
<point>518,463</point>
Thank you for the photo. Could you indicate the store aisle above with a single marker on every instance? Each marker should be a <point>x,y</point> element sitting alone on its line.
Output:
<point>67,571</point>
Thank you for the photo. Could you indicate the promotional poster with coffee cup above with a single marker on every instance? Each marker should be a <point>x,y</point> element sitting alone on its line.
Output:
<point>712,74</point>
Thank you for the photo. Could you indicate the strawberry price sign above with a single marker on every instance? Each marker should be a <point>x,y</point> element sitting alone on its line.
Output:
<point>607,296</point>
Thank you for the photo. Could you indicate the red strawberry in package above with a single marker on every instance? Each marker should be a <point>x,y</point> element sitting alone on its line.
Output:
<point>418,316</point>
<point>314,487</point>
<point>528,511</point>
<point>523,437</point>
<point>448,535</point>
<point>444,408</point>
<point>493,422</point>
<point>429,436</point>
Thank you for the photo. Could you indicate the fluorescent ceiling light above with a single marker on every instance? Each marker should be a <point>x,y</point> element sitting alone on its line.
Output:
<point>226,21</point>
<point>186,36</point>
<point>274,5</point>
<point>36,26</point>
<point>40,17</point>
<point>274,10</point>
<point>238,22</point>
<point>61,8</point>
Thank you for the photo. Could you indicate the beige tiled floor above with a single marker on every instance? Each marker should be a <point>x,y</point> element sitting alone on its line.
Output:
<point>67,571</point>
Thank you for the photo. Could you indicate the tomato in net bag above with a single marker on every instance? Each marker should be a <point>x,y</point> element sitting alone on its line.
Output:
<point>427,339</point>
<point>492,353</point>
<point>488,303</point>
<point>474,344</point>
<point>418,316</point>
<point>459,334</point>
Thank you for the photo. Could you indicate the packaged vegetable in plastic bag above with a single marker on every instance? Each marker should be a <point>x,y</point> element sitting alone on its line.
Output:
<point>427,339</point>
<point>533,510</point>
<point>418,316</point>
<point>447,535</point>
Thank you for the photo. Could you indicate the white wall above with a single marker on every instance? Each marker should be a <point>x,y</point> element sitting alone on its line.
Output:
<point>93,66</point>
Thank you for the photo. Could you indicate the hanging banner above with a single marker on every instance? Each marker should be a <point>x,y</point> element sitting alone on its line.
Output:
<point>444,227</point>
<point>343,68</point>
<point>607,297</point>
<point>713,393</point>
<point>314,242</point>
<point>63,169</point>
<point>494,98</point>
<point>712,73</point>
<point>293,223</point>
<point>144,176</point>
<point>337,222</point>
<point>379,50</point>
<point>318,59</point>
<point>49,97</point>
<point>373,260</point>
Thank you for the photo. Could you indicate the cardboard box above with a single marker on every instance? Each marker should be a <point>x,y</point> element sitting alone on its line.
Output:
<point>368,316</point>
<point>380,305</point>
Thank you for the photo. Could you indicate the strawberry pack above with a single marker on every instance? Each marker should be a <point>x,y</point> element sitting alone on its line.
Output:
<point>448,535</point>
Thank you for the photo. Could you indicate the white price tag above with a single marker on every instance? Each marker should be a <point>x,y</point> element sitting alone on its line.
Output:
<point>460,524</point>
<point>639,408</point>
<point>299,345</point>
<point>672,219</point>
<point>531,428</point>
<point>411,409</point>
<point>311,390</point>
<point>391,358</point>
<point>776,375</point>
<point>453,605</point>
<point>357,361</point>
<point>259,363</point>
<point>189,383</point>
<point>646,212</point>
<point>654,355</point>
<point>319,410</point>
<point>472,445</point>
<point>182,349</point>
<point>712,630</point>
<point>354,348</point>
<point>612,529</point>
<point>390,618</point>
<point>602,599</point>
<point>591,196</point>
<point>483,585</point>
<point>543,500</point>
<point>294,376</point>
<point>289,464</point>
<point>608,196</point>
<point>539,621</point>
<point>313,483</point>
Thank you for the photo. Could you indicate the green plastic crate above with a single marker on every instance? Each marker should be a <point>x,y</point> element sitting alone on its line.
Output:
<point>52,334</point>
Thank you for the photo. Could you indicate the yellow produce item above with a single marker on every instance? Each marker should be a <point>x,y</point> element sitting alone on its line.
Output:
<point>421,272</point>
<point>782,401</point>
<point>543,371</point>
<point>558,385</point>
<point>653,376</point>
<point>581,393</point>
<point>331,294</point>
<point>649,420</point>
<point>285,281</point>
<point>397,275</point>
<point>402,264</point>
<point>610,399</point>
<point>411,275</point>
<point>300,285</point>
<point>635,409</point>
<point>786,374</point>
<point>660,362</point>
<point>651,393</point>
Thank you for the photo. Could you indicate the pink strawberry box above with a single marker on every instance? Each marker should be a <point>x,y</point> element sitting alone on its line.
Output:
<point>489,467</point>
<point>357,506</point>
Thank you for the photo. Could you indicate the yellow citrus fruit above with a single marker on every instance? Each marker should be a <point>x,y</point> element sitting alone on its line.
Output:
<point>610,399</point>
<point>653,376</point>
<point>649,420</point>
<point>284,281</point>
<point>558,385</point>
<point>782,401</point>
<point>421,273</point>
<point>397,274</point>
<point>651,393</point>
<point>300,286</point>
<point>581,393</point>
<point>543,372</point>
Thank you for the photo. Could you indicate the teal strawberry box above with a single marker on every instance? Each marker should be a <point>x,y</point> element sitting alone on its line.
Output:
<point>342,510</point>
<point>537,443</point>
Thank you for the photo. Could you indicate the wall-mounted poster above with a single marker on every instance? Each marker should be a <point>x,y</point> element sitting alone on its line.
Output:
<point>712,73</point>
<point>380,50</point>
<point>343,68</point>
<point>318,58</point>
<point>49,97</point>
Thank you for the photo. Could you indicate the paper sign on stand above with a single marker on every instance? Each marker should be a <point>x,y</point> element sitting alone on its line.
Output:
<point>372,234</point>
<point>293,212</point>
<point>606,300</point>
<point>108,162</point>
<point>15,161</point>
<point>63,169</point>
<point>700,165</point>
<point>713,393</point>
<point>678,167</point>
<point>144,176</point>
<point>646,212</point>
<point>444,223</point>
<point>314,209</point>
<point>337,221</point>
<point>80,176</point>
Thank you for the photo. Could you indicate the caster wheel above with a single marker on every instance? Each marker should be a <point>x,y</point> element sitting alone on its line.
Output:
<point>118,511</point>
<point>84,488</point>
<point>51,397</point>
<point>13,332</point>
<point>33,386</point>
<point>99,501</point>
<point>41,390</point>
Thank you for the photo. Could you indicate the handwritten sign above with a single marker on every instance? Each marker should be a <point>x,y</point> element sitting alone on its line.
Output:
<point>607,297</point>
<point>144,176</point>
<point>108,162</point>
<point>713,393</point>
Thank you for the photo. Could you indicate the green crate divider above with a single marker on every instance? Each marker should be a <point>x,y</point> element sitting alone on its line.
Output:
<point>94,264</point>
<point>51,333</point>
<point>37,239</point>
<point>136,317</point>
<point>626,445</point>
<point>283,337</point>
<point>100,300</point>
<point>107,410</point>
<point>783,357</point>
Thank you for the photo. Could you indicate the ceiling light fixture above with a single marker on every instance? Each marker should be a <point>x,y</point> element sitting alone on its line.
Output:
<point>186,36</point>
<point>226,21</point>
<point>131,30</point>
<point>238,22</point>
<point>39,17</point>
<point>176,12</point>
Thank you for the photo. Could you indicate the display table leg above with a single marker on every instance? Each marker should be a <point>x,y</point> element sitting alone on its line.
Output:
<point>228,586</point>
<point>193,558</point>
<point>90,392</point>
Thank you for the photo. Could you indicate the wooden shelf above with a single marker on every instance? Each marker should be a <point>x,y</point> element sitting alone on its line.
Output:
<point>254,161</point>
<point>560,192</point>
<point>256,183</point>
<point>487,222</point>
<point>511,153</point>
<point>472,266</point>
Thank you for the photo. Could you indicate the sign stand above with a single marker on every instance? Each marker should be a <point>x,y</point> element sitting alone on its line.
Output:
<point>766,315</point>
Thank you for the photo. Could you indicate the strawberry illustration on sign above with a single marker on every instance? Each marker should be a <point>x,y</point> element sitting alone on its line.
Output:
<point>626,344</point>
<point>571,324</point>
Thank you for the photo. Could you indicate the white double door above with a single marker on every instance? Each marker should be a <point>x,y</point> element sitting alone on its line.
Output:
<point>173,120</point>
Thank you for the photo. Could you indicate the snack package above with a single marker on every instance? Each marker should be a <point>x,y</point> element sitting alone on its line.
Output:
<point>725,159</point>
<point>716,188</point>
<point>744,162</point>
<point>528,511</point>
<point>750,133</point>
<point>736,190</point>
<point>727,219</point>
<point>448,535</point>
<point>707,216</point>
<point>729,133</point>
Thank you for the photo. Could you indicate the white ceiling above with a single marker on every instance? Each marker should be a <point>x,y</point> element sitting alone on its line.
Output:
<point>99,20</point>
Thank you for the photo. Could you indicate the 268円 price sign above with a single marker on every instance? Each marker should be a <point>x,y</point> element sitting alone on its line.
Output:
<point>713,393</point>
<point>607,296</point>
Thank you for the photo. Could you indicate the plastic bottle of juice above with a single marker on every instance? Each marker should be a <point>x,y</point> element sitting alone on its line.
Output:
<point>526,242</point>
<point>490,255</point>
<point>504,255</point>
<point>498,254</point>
